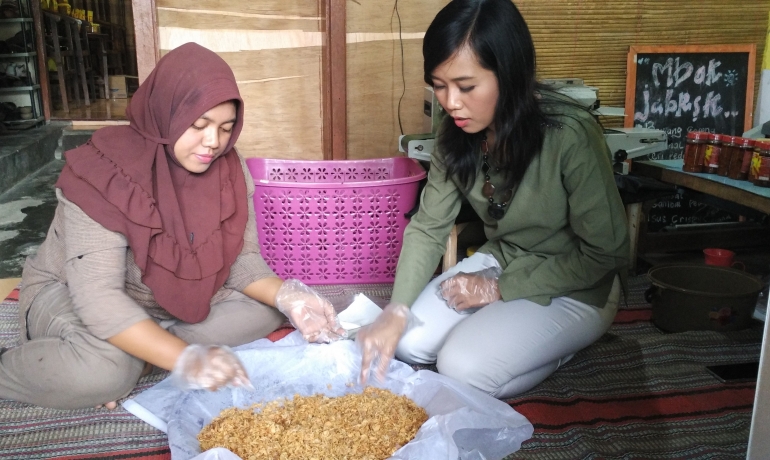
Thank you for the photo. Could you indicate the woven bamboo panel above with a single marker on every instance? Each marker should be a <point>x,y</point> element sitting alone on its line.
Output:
<point>373,96</point>
<point>586,39</point>
<point>380,16</point>
<point>274,49</point>
<point>374,74</point>
<point>590,39</point>
<point>300,8</point>
<point>231,20</point>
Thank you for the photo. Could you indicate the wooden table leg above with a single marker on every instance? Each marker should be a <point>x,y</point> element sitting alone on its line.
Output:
<point>634,215</point>
<point>59,62</point>
<point>71,47</point>
<point>102,57</point>
<point>81,68</point>
<point>450,255</point>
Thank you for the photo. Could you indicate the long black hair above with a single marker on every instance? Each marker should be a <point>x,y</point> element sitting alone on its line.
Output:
<point>499,37</point>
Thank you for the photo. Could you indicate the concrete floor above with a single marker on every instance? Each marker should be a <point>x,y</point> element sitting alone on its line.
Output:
<point>26,211</point>
<point>29,167</point>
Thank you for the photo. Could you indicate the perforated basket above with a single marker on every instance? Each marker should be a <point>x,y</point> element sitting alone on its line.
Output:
<point>334,222</point>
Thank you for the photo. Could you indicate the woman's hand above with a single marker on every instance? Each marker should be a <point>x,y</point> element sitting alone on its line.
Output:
<point>471,290</point>
<point>312,315</point>
<point>378,340</point>
<point>209,367</point>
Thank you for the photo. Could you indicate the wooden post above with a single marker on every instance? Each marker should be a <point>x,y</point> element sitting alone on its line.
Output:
<point>80,66</point>
<point>57,58</point>
<point>42,60</point>
<point>146,34</point>
<point>334,81</point>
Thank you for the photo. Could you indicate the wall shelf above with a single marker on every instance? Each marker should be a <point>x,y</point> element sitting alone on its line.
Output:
<point>18,89</point>
<point>15,20</point>
<point>31,120</point>
<point>17,55</point>
<point>20,84</point>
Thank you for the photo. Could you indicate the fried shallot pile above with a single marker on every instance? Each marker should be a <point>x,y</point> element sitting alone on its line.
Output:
<point>368,426</point>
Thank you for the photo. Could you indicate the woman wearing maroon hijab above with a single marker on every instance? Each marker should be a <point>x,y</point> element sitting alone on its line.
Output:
<point>152,257</point>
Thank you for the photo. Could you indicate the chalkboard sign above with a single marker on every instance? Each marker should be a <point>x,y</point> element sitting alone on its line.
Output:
<point>679,89</point>
<point>690,88</point>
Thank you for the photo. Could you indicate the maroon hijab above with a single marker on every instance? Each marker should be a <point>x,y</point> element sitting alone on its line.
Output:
<point>185,229</point>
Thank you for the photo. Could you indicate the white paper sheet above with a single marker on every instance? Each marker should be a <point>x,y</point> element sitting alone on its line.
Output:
<point>361,312</point>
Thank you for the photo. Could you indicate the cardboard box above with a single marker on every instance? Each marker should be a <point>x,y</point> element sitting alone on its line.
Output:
<point>122,86</point>
<point>117,85</point>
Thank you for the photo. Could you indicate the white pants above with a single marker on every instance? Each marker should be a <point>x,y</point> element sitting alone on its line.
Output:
<point>505,348</point>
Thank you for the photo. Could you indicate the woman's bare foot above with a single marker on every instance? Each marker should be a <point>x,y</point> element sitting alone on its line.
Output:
<point>113,404</point>
<point>110,405</point>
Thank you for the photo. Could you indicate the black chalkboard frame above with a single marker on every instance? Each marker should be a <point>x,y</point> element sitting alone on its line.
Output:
<point>749,49</point>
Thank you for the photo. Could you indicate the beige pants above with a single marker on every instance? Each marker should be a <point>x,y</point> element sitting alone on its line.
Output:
<point>64,367</point>
<point>505,348</point>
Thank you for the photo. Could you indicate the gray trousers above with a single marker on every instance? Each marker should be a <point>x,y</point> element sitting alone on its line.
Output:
<point>505,348</point>
<point>63,366</point>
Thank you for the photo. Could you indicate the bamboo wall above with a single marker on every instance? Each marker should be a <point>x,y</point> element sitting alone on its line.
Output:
<point>586,39</point>
<point>274,49</point>
<point>374,73</point>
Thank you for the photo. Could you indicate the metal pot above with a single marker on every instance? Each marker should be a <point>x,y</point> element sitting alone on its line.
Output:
<point>693,297</point>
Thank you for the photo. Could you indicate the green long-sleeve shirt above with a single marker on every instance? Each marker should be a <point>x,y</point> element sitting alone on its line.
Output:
<point>564,233</point>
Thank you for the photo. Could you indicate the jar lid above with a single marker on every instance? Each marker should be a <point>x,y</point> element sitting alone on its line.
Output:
<point>744,142</point>
<point>698,135</point>
<point>762,144</point>
<point>716,137</point>
<point>731,140</point>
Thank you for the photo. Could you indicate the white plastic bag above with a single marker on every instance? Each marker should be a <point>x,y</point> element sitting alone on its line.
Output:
<point>464,422</point>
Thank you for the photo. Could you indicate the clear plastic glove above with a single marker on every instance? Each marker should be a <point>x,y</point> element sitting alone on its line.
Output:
<point>209,367</point>
<point>378,340</point>
<point>312,315</point>
<point>466,291</point>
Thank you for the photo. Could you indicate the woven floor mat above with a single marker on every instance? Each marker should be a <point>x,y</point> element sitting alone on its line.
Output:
<point>30,432</point>
<point>637,393</point>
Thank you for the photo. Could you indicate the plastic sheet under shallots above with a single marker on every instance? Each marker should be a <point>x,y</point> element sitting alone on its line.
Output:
<point>463,422</point>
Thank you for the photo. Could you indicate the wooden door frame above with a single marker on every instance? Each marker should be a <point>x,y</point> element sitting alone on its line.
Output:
<point>147,44</point>
<point>334,83</point>
<point>333,66</point>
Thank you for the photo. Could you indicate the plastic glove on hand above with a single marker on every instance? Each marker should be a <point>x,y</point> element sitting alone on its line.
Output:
<point>378,340</point>
<point>471,290</point>
<point>312,315</point>
<point>209,367</point>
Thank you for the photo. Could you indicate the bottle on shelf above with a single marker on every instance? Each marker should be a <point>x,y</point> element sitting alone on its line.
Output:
<point>729,150</point>
<point>741,160</point>
<point>759,172</point>
<point>693,151</point>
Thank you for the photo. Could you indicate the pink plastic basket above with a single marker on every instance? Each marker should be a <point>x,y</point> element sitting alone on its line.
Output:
<point>334,222</point>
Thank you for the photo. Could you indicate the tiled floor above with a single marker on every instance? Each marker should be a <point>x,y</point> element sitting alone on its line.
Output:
<point>26,211</point>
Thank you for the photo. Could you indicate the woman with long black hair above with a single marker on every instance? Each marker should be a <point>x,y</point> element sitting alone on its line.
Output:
<point>536,169</point>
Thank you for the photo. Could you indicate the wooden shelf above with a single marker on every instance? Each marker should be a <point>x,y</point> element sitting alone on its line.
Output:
<point>31,120</point>
<point>15,20</point>
<point>18,89</point>
<point>17,55</point>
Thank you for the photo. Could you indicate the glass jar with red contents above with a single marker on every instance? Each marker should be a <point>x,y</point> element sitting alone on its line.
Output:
<point>741,161</point>
<point>729,150</point>
<point>693,151</point>
<point>711,154</point>
<point>759,172</point>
